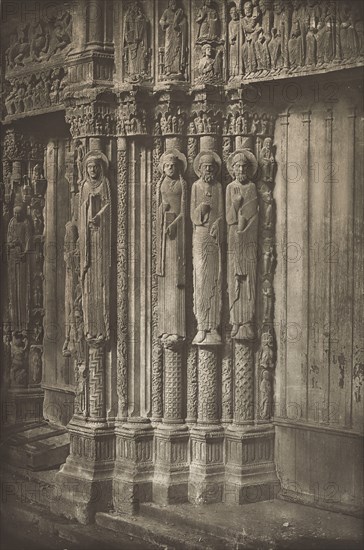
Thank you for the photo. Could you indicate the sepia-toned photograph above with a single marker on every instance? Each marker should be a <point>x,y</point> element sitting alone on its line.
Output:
<point>182,275</point>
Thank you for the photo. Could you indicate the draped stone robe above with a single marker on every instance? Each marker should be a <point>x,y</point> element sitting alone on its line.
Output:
<point>207,253</point>
<point>171,256</point>
<point>95,257</point>
<point>19,239</point>
<point>242,251</point>
<point>175,47</point>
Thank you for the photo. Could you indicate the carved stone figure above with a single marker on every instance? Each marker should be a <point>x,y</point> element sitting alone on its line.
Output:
<point>266,397</point>
<point>71,258</point>
<point>80,393</point>
<point>207,219</point>
<point>19,237</point>
<point>234,42</point>
<point>296,42</point>
<point>266,161</point>
<point>264,36</point>
<point>209,67</point>
<point>313,25</point>
<point>174,23</point>
<point>242,220</point>
<point>19,350</point>
<point>348,36</point>
<point>94,242</point>
<point>171,254</point>
<point>277,46</point>
<point>268,257</point>
<point>35,364</point>
<point>267,291</point>
<point>209,23</point>
<point>250,28</point>
<point>135,42</point>
<point>38,290</point>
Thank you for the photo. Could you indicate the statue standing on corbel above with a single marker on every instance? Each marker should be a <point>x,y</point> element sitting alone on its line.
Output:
<point>296,42</point>
<point>264,36</point>
<point>174,24</point>
<point>18,243</point>
<point>234,42</point>
<point>313,24</point>
<point>171,253</point>
<point>242,220</point>
<point>94,242</point>
<point>210,66</point>
<point>207,219</point>
<point>251,28</point>
<point>136,48</point>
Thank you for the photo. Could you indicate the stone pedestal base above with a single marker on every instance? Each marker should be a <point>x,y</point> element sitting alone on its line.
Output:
<point>22,406</point>
<point>250,470</point>
<point>133,474</point>
<point>170,485</point>
<point>206,480</point>
<point>84,482</point>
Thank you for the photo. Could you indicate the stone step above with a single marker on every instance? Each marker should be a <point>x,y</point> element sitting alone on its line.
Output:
<point>162,533</point>
<point>38,447</point>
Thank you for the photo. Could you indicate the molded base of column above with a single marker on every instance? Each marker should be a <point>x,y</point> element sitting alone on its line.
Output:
<point>206,481</point>
<point>23,406</point>
<point>250,469</point>
<point>133,474</point>
<point>170,484</point>
<point>84,482</point>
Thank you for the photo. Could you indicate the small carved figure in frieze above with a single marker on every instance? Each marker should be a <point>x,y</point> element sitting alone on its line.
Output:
<point>61,34</point>
<point>174,24</point>
<point>80,393</point>
<point>37,217</point>
<point>207,219</point>
<point>277,46</point>
<point>296,42</point>
<point>37,330</point>
<point>264,36</point>
<point>94,242</point>
<point>266,396</point>
<point>266,354</point>
<point>39,40</point>
<point>266,161</point>
<point>234,42</point>
<point>35,365</point>
<point>327,43</point>
<point>19,352</point>
<point>79,158</point>
<point>18,241</point>
<point>313,24</point>
<point>267,290</point>
<point>268,257</point>
<point>19,49</point>
<point>210,65</point>
<point>38,291</point>
<point>209,23</point>
<point>242,220</point>
<point>348,36</point>
<point>136,47</point>
<point>171,254</point>
<point>251,30</point>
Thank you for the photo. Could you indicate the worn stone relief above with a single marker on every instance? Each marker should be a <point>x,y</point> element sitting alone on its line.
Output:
<point>136,47</point>
<point>173,56</point>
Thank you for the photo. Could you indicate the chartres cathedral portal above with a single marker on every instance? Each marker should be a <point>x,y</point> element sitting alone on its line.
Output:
<point>182,254</point>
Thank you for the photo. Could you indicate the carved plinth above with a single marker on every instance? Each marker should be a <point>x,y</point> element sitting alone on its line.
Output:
<point>22,405</point>
<point>206,480</point>
<point>250,470</point>
<point>84,482</point>
<point>133,474</point>
<point>170,485</point>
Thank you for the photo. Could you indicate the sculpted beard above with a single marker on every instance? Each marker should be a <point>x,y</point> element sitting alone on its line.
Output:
<point>208,178</point>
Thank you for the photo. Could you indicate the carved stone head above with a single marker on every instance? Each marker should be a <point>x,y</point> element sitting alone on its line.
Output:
<point>248,8</point>
<point>207,165</point>
<point>234,13</point>
<point>96,165</point>
<point>18,213</point>
<point>172,163</point>
<point>242,165</point>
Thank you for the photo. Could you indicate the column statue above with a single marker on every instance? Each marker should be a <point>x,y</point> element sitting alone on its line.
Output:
<point>242,220</point>
<point>207,219</point>
<point>171,254</point>
<point>94,240</point>
<point>19,238</point>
